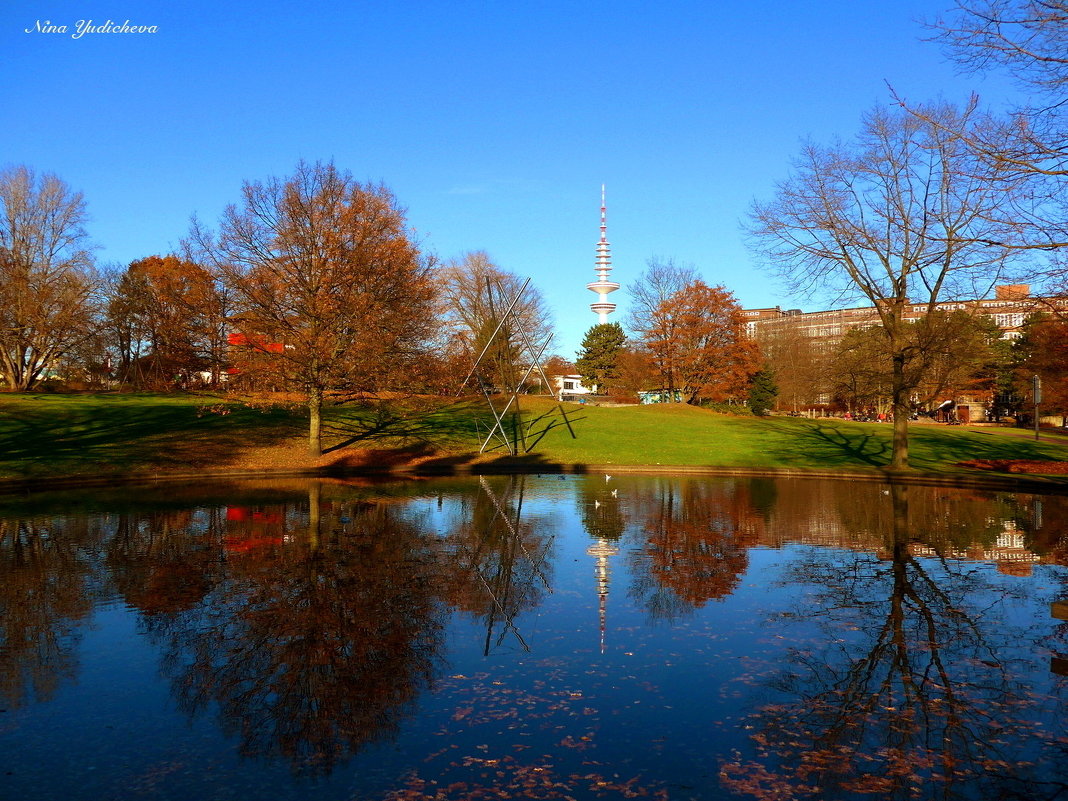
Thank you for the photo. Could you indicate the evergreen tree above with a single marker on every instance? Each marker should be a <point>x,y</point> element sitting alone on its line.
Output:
<point>762,392</point>
<point>597,361</point>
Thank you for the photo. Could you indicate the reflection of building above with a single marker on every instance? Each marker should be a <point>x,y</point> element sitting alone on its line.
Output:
<point>1009,552</point>
<point>859,517</point>
<point>249,529</point>
<point>602,549</point>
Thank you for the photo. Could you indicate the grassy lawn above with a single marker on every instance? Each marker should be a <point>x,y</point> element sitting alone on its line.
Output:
<point>684,435</point>
<point>53,435</point>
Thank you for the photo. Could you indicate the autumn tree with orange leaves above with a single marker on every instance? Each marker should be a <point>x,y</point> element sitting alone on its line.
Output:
<point>166,320</point>
<point>699,346</point>
<point>326,267</point>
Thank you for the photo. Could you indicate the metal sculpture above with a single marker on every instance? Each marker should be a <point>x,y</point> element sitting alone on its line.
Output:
<point>508,324</point>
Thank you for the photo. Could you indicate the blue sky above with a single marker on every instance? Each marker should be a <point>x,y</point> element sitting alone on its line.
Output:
<point>494,123</point>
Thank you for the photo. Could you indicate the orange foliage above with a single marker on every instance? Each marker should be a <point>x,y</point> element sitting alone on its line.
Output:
<point>699,344</point>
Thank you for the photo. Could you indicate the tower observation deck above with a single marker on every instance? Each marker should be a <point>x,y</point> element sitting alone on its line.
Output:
<point>602,307</point>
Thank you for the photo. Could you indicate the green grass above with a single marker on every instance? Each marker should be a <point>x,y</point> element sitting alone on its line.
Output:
<point>684,435</point>
<point>74,434</point>
<point>62,435</point>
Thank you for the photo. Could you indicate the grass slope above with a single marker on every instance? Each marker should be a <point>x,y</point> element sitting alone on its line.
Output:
<point>63,435</point>
<point>685,435</point>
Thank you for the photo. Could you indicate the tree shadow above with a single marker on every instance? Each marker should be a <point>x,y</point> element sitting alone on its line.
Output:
<point>833,444</point>
<point>132,434</point>
<point>407,434</point>
<point>440,426</point>
<point>838,444</point>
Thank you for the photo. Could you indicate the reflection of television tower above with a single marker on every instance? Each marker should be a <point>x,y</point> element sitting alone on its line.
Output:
<point>602,549</point>
<point>602,286</point>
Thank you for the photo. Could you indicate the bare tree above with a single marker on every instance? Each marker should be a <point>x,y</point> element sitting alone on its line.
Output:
<point>799,362</point>
<point>327,283</point>
<point>906,215</point>
<point>1028,40</point>
<point>46,280</point>
<point>661,279</point>
<point>949,353</point>
<point>475,295</point>
<point>1028,37</point>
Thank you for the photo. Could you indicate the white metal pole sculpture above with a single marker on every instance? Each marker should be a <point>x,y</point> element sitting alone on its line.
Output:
<point>510,321</point>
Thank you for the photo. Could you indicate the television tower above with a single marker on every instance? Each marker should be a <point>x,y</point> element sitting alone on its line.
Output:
<point>602,286</point>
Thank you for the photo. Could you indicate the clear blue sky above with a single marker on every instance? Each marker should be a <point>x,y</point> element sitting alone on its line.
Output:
<point>494,123</point>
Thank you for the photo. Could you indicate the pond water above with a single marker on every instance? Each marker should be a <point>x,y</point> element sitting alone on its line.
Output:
<point>543,637</point>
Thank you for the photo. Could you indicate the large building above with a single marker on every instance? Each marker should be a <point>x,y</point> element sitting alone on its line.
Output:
<point>1010,306</point>
<point>806,340</point>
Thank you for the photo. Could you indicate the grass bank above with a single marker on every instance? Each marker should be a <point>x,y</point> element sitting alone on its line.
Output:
<point>98,435</point>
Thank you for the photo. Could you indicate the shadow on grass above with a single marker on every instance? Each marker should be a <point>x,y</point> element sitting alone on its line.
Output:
<point>112,434</point>
<point>822,443</point>
<point>818,443</point>
<point>80,436</point>
<point>439,427</point>
<point>860,446</point>
<point>472,463</point>
<point>412,433</point>
<point>933,448</point>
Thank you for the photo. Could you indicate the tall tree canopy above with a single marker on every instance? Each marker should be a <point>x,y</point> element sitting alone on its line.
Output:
<point>476,293</point>
<point>597,362</point>
<point>1043,351</point>
<point>948,354</point>
<point>905,215</point>
<point>1028,41</point>
<point>166,318</point>
<point>46,282</point>
<point>698,343</point>
<point>325,267</point>
<point>661,279</point>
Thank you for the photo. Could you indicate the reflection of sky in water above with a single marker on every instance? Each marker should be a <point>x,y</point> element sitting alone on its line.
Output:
<point>721,632</point>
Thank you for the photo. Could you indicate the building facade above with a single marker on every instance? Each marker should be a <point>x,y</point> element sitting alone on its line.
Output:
<point>810,339</point>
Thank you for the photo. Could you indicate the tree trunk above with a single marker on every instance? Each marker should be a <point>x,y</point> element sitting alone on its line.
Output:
<point>315,414</point>
<point>315,490</point>
<point>899,459</point>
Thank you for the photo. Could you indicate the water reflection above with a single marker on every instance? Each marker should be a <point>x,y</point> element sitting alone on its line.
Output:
<point>319,635</point>
<point>46,592</point>
<point>696,540</point>
<point>499,559</point>
<point>903,687</point>
<point>899,643</point>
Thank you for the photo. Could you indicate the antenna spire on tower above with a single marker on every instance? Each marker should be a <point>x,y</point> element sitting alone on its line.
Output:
<point>603,266</point>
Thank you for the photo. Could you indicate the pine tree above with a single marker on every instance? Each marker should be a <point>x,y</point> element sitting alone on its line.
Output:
<point>762,392</point>
<point>597,360</point>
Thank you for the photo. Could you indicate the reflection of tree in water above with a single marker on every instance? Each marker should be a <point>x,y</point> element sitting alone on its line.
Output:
<point>317,646</point>
<point>602,516</point>
<point>697,535</point>
<point>46,591</point>
<point>165,562</point>
<point>499,558</point>
<point>907,690</point>
<point>1047,526</point>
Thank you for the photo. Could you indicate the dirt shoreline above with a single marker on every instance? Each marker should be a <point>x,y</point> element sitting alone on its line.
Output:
<point>983,477</point>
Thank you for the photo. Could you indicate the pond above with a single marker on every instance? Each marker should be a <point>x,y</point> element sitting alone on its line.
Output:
<point>549,637</point>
